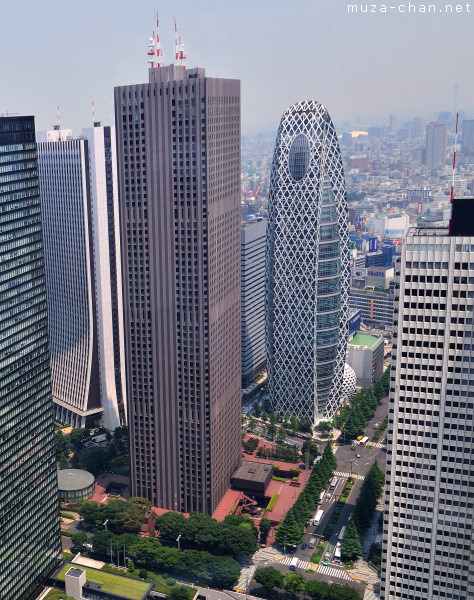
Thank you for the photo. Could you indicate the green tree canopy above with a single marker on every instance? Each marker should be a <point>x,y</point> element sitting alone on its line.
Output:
<point>269,578</point>
<point>351,547</point>
<point>294,583</point>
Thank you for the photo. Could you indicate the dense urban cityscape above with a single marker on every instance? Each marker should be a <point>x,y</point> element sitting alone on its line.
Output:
<point>236,365</point>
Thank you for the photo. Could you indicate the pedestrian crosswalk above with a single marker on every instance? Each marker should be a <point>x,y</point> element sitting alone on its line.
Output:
<point>302,564</point>
<point>341,474</point>
<point>333,572</point>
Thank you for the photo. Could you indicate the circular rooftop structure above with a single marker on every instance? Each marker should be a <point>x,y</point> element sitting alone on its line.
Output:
<point>75,485</point>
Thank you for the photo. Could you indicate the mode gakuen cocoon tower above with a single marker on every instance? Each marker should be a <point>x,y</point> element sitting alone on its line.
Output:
<point>307,268</point>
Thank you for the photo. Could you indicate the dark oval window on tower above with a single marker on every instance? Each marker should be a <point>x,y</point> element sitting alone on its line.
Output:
<point>298,160</point>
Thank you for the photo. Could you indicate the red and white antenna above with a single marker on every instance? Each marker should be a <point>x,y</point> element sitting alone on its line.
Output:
<point>159,53</point>
<point>151,51</point>
<point>176,48</point>
<point>182,54</point>
<point>93,112</point>
<point>454,157</point>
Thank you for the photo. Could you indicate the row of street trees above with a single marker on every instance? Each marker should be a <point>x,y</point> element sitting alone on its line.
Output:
<point>370,491</point>
<point>293,525</point>
<point>294,583</point>
<point>352,419</point>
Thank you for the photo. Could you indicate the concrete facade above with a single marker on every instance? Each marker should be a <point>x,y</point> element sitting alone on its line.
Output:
<point>252,247</point>
<point>427,542</point>
<point>178,143</point>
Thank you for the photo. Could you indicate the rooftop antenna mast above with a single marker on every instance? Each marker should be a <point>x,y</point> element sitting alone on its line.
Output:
<point>454,156</point>
<point>182,53</point>
<point>159,53</point>
<point>179,51</point>
<point>59,125</point>
<point>93,113</point>
<point>176,48</point>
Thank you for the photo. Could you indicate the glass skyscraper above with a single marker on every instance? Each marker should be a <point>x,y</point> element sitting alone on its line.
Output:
<point>30,541</point>
<point>307,270</point>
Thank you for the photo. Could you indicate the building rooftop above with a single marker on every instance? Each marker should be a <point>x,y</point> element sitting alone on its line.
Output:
<point>364,339</point>
<point>116,585</point>
<point>253,471</point>
<point>74,479</point>
<point>75,572</point>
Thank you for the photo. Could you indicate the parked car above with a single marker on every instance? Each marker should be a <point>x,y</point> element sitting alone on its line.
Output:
<point>304,546</point>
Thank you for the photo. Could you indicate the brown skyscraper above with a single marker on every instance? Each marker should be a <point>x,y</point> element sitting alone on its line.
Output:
<point>178,149</point>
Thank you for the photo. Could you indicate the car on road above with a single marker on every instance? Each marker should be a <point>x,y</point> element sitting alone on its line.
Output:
<point>304,546</point>
<point>325,562</point>
<point>357,455</point>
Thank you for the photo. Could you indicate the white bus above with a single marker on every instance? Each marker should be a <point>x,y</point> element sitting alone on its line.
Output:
<point>318,517</point>
<point>364,441</point>
<point>333,483</point>
<point>341,533</point>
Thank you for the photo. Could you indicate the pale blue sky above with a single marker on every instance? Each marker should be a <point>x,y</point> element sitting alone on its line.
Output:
<point>366,65</point>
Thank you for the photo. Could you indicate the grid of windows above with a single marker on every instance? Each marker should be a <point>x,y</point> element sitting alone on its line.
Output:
<point>307,276</point>
<point>430,472</point>
<point>179,182</point>
<point>27,449</point>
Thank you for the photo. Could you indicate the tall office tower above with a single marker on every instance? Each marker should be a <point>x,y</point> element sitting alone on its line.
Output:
<point>76,193</point>
<point>435,152</point>
<point>108,272</point>
<point>468,136</point>
<point>178,148</point>
<point>252,250</point>
<point>27,450</point>
<point>307,273</point>
<point>429,509</point>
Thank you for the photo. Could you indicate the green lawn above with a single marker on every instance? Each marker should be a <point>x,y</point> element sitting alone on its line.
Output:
<point>123,586</point>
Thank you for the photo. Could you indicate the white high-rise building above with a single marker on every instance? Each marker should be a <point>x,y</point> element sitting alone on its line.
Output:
<point>252,261</point>
<point>307,273</point>
<point>429,497</point>
<point>82,265</point>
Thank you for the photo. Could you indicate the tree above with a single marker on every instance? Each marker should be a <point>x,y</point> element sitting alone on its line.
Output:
<point>91,512</point>
<point>281,434</point>
<point>79,538</point>
<point>63,462</point>
<point>62,444</point>
<point>325,428</point>
<point>78,437</point>
<point>294,583</point>
<point>252,424</point>
<point>143,573</point>
<point>264,528</point>
<point>102,541</point>
<point>342,592</point>
<point>316,590</point>
<point>351,547</point>
<point>269,578</point>
<point>305,426</point>
<point>290,531</point>
<point>310,447</point>
<point>271,430</point>
<point>224,571</point>
<point>131,566</point>
<point>294,423</point>
<point>264,416</point>
<point>179,592</point>
<point>170,525</point>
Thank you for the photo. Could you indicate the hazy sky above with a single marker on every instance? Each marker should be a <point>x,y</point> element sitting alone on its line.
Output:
<point>368,65</point>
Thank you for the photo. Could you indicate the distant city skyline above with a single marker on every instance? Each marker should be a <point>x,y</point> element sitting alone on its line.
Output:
<point>361,65</point>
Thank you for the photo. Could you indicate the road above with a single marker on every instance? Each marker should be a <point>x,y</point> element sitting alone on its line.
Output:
<point>346,463</point>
